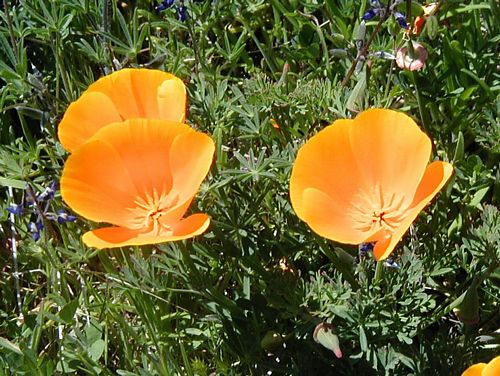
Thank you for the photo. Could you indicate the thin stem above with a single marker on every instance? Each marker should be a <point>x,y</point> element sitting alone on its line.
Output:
<point>59,63</point>
<point>194,41</point>
<point>420,102</point>
<point>321,38</point>
<point>362,53</point>
<point>408,10</point>
<point>378,271</point>
<point>6,8</point>
<point>15,274</point>
<point>389,77</point>
<point>107,11</point>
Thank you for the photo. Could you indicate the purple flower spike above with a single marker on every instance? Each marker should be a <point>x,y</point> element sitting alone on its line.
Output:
<point>63,217</point>
<point>35,228</point>
<point>15,209</point>
<point>181,11</point>
<point>365,247</point>
<point>401,19</point>
<point>390,263</point>
<point>370,13</point>
<point>48,193</point>
<point>164,5</point>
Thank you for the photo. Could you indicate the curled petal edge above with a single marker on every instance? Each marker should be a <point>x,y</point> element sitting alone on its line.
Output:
<point>113,237</point>
<point>435,177</point>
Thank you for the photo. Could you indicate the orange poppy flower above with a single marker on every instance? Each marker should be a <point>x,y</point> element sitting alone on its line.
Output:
<point>366,180</point>
<point>483,369</point>
<point>141,176</point>
<point>125,94</point>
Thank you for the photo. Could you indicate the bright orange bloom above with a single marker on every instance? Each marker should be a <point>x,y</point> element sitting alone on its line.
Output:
<point>125,94</point>
<point>366,180</point>
<point>141,176</point>
<point>483,369</point>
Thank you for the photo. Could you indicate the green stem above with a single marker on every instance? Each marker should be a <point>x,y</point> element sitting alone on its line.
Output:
<point>379,271</point>
<point>421,105</point>
<point>365,48</point>
<point>12,35</point>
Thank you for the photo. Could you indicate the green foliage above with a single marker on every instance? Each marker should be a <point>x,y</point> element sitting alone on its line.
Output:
<point>244,298</point>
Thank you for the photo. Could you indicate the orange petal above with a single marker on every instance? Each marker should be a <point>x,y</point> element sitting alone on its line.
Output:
<point>326,162</point>
<point>126,163</point>
<point>191,156</point>
<point>130,93</point>
<point>95,184</point>
<point>144,146</point>
<point>435,177</point>
<point>474,370</point>
<point>391,151</point>
<point>84,117</point>
<point>176,212</point>
<point>135,92</point>
<point>327,219</point>
<point>171,96</point>
<point>492,368</point>
<point>111,237</point>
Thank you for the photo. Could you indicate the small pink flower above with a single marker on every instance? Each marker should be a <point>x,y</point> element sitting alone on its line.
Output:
<point>405,60</point>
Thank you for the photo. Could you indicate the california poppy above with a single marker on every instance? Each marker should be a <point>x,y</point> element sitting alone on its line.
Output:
<point>125,94</point>
<point>366,180</point>
<point>483,369</point>
<point>139,175</point>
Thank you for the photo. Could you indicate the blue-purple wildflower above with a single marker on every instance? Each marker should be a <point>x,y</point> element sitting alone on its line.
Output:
<point>15,209</point>
<point>371,13</point>
<point>63,217</point>
<point>164,5</point>
<point>378,9</point>
<point>390,263</point>
<point>182,12</point>
<point>34,228</point>
<point>38,206</point>
<point>366,247</point>
<point>48,193</point>
<point>401,19</point>
<point>181,8</point>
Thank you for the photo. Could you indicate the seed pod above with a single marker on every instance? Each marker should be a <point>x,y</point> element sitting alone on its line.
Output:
<point>360,36</point>
<point>338,52</point>
<point>337,38</point>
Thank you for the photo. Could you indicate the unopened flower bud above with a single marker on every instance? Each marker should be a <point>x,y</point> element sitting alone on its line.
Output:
<point>324,334</point>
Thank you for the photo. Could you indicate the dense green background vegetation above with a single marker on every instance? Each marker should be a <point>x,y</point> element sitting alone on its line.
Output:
<point>245,297</point>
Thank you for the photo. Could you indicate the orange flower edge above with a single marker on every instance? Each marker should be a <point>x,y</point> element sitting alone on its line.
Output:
<point>125,94</point>
<point>366,180</point>
<point>139,175</point>
<point>483,369</point>
<point>112,237</point>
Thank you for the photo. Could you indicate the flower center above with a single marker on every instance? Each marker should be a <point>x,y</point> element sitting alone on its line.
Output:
<point>378,210</point>
<point>151,211</point>
<point>378,217</point>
